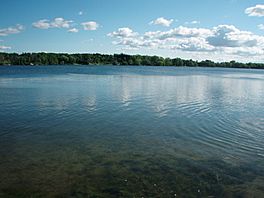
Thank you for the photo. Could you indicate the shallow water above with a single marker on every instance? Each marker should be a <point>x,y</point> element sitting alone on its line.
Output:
<point>75,131</point>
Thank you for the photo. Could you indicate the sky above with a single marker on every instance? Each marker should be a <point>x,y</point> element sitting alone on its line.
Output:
<point>191,29</point>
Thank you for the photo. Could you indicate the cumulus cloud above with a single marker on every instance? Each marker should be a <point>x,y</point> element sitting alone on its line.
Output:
<point>73,30</point>
<point>2,47</point>
<point>261,26</point>
<point>56,23</point>
<point>257,10</point>
<point>222,39</point>
<point>193,44</point>
<point>132,43</point>
<point>42,24</point>
<point>11,30</point>
<point>123,33</point>
<point>60,23</point>
<point>162,21</point>
<point>230,36</point>
<point>91,25</point>
<point>193,22</point>
<point>180,31</point>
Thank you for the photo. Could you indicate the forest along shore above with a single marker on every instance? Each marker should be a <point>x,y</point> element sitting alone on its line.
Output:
<point>116,59</point>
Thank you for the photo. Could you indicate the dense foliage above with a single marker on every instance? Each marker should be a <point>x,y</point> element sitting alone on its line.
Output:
<point>116,59</point>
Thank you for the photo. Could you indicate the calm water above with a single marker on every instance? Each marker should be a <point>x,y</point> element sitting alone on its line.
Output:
<point>131,132</point>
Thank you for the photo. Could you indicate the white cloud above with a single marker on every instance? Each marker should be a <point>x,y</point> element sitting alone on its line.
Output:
<point>193,22</point>
<point>56,23</point>
<point>91,25</point>
<point>11,30</point>
<point>261,26</point>
<point>245,51</point>
<point>137,43</point>
<point>60,23</point>
<point>80,13</point>
<point>224,40</point>
<point>162,21</point>
<point>42,24</point>
<point>195,44</point>
<point>2,47</point>
<point>73,30</point>
<point>257,10</point>
<point>181,38</point>
<point>180,31</point>
<point>123,33</point>
<point>230,36</point>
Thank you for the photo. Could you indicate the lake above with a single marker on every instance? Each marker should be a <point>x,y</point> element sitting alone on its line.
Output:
<point>106,131</point>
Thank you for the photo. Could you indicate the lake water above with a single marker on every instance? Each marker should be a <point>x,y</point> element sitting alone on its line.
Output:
<point>105,131</point>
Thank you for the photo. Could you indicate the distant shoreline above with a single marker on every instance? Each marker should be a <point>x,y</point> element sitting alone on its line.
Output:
<point>100,65</point>
<point>46,59</point>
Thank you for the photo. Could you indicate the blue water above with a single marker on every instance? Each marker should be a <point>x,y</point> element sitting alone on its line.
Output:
<point>105,131</point>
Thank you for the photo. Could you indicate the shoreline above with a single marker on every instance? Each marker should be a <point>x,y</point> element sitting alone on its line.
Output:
<point>111,65</point>
<point>46,59</point>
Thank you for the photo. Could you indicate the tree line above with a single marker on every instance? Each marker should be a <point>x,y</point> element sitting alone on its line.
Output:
<point>116,59</point>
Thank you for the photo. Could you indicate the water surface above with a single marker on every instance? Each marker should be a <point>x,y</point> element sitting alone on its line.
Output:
<point>105,131</point>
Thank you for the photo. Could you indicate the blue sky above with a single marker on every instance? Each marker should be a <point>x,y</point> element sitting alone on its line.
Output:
<point>205,29</point>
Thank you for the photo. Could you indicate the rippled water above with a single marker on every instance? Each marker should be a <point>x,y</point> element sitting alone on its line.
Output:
<point>106,131</point>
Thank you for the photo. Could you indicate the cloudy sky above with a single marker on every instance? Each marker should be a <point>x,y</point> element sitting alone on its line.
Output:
<point>205,29</point>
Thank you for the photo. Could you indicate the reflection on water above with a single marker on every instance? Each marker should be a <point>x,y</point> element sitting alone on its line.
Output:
<point>131,132</point>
